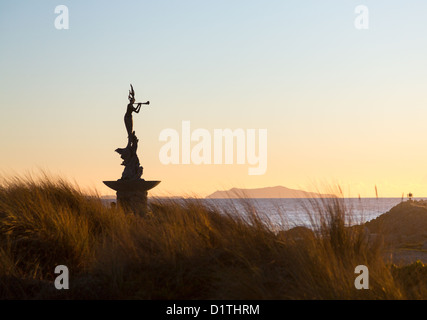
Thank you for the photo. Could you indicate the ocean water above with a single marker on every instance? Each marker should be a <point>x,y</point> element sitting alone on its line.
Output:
<point>288,213</point>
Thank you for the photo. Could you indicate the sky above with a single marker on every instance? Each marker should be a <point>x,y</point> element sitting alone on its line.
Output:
<point>340,104</point>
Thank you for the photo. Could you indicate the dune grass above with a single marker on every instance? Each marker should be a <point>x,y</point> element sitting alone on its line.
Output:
<point>183,249</point>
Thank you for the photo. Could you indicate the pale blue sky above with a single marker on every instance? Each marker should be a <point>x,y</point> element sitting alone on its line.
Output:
<point>338,103</point>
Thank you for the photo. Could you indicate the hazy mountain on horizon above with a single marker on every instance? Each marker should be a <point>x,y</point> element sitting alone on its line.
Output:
<point>267,192</point>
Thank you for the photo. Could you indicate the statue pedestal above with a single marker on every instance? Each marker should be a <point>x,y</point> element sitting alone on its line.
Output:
<point>132,194</point>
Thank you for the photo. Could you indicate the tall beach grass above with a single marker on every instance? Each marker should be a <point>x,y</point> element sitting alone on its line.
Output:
<point>183,249</point>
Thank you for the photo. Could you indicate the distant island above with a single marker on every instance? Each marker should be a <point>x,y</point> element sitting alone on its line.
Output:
<point>267,192</point>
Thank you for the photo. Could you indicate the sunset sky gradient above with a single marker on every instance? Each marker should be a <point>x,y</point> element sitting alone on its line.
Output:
<point>341,105</point>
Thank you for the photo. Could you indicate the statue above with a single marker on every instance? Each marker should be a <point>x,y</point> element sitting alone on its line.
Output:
<point>131,190</point>
<point>132,170</point>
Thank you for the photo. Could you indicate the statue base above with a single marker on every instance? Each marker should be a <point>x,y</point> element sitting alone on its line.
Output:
<point>132,194</point>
